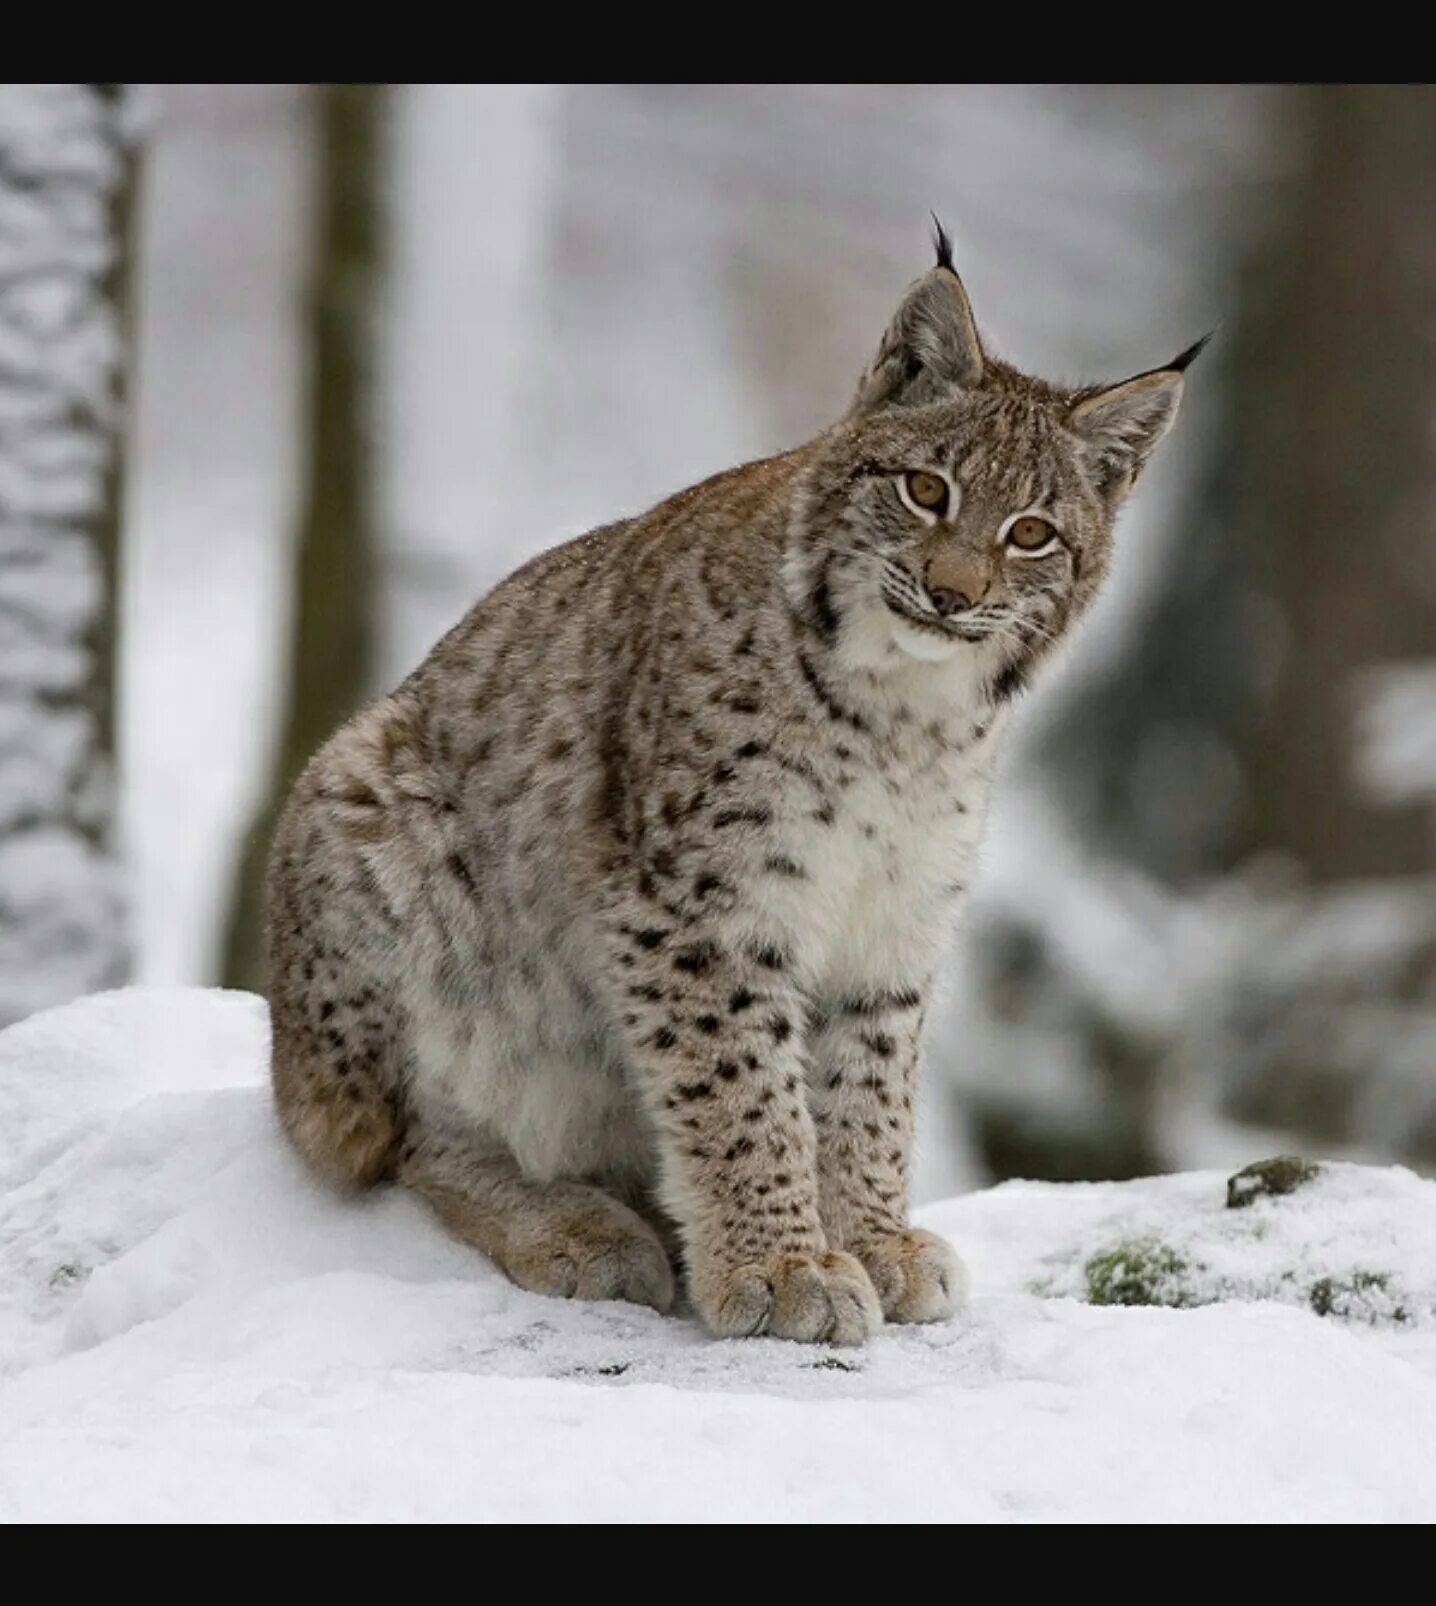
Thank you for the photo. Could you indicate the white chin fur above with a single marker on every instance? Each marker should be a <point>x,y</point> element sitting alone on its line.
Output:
<point>925,645</point>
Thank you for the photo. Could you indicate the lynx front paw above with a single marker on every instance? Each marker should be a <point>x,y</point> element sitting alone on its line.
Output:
<point>917,1275</point>
<point>823,1297</point>
<point>605,1252</point>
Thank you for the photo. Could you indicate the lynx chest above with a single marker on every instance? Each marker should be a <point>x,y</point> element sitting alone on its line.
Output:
<point>880,866</point>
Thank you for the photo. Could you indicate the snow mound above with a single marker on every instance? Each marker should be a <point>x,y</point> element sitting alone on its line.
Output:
<point>190,1329</point>
<point>1357,1243</point>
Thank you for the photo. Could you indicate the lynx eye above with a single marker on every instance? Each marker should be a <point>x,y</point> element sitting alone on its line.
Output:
<point>927,490</point>
<point>1030,533</point>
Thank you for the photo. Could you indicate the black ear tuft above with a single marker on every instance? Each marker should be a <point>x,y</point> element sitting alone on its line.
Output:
<point>930,348</point>
<point>1179,365</point>
<point>942,241</point>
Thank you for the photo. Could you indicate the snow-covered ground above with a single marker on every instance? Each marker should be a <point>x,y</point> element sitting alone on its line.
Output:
<point>190,1329</point>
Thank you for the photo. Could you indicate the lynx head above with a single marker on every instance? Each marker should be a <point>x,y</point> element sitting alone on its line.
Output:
<point>962,510</point>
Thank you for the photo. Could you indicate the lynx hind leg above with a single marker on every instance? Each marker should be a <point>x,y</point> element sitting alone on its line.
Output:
<point>336,1115</point>
<point>336,1047</point>
<point>565,1239</point>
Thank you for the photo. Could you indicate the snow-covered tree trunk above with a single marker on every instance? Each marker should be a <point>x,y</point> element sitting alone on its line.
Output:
<point>66,175</point>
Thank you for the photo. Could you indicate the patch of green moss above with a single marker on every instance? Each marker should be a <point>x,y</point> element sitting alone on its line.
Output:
<point>1363,1296</point>
<point>1138,1271</point>
<point>1269,1178</point>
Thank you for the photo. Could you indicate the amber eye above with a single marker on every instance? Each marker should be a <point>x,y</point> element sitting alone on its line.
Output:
<point>1029,533</point>
<point>927,490</point>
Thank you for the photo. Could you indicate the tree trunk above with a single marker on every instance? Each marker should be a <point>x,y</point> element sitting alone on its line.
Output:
<point>1341,480</point>
<point>333,641</point>
<point>66,187</point>
<point>1350,473</point>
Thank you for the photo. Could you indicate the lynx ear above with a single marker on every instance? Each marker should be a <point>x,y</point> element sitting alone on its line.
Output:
<point>931,346</point>
<point>1124,423</point>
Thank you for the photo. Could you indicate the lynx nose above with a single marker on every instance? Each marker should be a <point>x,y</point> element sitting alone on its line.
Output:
<point>956,581</point>
<point>947,601</point>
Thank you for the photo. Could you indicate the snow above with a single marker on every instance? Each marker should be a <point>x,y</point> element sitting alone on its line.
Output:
<point>191,1329</point>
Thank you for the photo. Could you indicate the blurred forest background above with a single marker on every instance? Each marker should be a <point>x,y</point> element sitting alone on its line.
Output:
<point>380,343</point>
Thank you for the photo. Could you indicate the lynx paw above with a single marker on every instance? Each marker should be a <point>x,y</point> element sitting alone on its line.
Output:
<point>607,1253</point>
<point>823,1297</point>
<point>917,1275</point>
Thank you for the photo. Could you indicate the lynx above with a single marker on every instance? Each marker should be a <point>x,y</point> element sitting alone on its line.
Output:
<point>613,931</point>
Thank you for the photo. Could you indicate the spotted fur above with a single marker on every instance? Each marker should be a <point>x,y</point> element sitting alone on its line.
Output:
<point>613,930</point>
